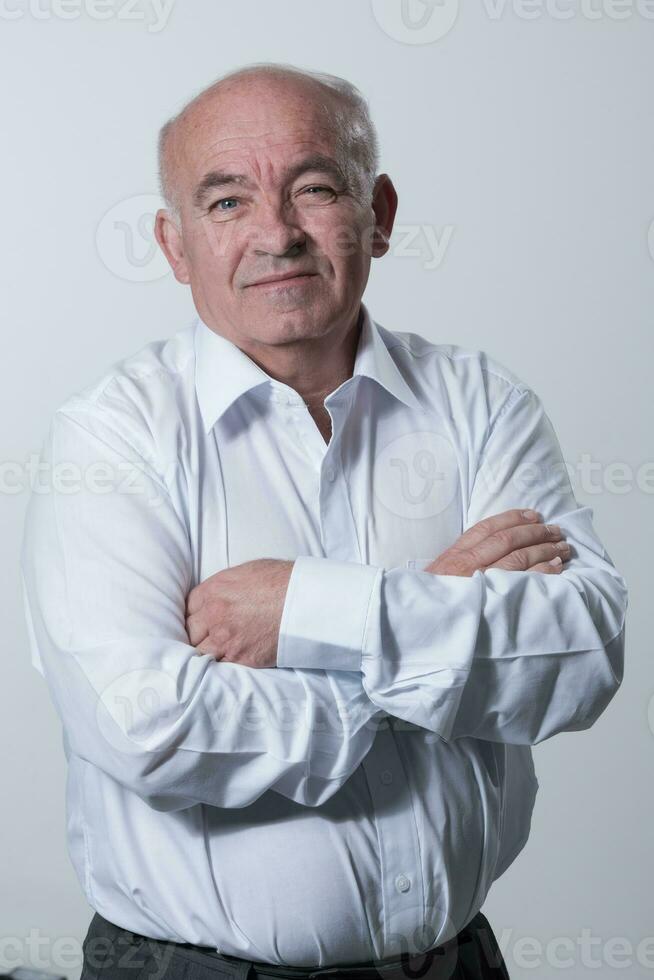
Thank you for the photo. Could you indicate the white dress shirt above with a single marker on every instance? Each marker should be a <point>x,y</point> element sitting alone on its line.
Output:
<point>359,799</point>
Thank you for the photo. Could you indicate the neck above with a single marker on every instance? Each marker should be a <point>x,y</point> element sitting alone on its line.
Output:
<point>314,367</point>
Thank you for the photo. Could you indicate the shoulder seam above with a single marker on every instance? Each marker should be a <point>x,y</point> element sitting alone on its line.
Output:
<point>118,376</point>
<point>509,401</point>
<point>152,472</point>
<point>521,386</point>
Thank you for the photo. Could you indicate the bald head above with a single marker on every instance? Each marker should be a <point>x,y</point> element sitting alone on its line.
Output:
<point>332,103</point>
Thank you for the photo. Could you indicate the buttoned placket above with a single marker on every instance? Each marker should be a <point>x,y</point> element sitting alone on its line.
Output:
<point>389,784</point>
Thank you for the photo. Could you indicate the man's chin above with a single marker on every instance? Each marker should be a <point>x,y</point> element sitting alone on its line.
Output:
<point>279,324</point>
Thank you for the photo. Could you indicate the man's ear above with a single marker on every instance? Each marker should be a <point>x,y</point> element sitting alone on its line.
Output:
<point>169,237</point>
<point>384,205</point>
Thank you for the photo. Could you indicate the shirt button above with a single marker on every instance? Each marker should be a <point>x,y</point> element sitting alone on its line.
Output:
<point>386,777</point>
<point>402,883</point>
<point>330,474</point>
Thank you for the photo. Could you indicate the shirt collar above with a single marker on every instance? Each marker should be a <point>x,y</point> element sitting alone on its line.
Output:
<point>223,372</point>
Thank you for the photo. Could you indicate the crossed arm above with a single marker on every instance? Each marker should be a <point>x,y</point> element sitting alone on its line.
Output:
<point>499,654</point>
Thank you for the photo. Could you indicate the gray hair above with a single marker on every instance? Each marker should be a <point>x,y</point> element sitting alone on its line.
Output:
<point>358,144</point>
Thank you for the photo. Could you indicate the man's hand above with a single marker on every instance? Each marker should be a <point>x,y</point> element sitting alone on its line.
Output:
<point>235,614</point>
<point>508,540</point>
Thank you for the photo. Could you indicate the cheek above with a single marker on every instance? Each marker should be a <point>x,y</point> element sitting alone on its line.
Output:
<point>214,242</point>
<point>214,257</point>
<point>340,241</point>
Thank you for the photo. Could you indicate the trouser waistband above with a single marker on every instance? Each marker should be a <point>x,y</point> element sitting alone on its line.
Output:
<point>404,967</point>
<point>439,963</point>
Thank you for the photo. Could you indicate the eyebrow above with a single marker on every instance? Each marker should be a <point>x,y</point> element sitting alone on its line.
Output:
<point>218,178</point>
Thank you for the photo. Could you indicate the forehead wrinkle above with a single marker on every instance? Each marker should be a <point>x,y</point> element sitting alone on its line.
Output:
<point>263,171</point>
<point>271,140</point>
<point>314,163</point>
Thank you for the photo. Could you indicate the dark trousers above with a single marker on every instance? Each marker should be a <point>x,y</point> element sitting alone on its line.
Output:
<point>113,953</point>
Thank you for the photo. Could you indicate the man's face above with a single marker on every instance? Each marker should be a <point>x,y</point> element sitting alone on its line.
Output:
<point>265,193</point>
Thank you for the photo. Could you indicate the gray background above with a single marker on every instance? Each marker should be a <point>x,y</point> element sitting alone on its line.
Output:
<point>521,140</point>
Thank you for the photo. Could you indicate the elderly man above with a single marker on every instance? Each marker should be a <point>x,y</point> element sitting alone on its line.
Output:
<point>298,625</point>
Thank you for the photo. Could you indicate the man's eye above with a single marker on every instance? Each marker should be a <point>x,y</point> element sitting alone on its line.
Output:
<point>218,205</point>
<point>317,190</point>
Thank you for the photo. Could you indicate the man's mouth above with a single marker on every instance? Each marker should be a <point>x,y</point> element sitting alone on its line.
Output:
<point>280,281</point>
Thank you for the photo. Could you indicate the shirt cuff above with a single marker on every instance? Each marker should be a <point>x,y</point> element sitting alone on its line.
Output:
<point>325,614</point>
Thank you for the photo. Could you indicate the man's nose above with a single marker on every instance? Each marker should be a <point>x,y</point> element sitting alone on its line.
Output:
<point>275,231</point>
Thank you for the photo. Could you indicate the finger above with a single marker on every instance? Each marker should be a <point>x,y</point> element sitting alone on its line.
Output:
<point>497,522</point>
<point>196,628</point>
<point>502,543</point>
<point>548,567</point>
<point>194,600</point>
<point>208,646</point>
<point>524,558</point>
